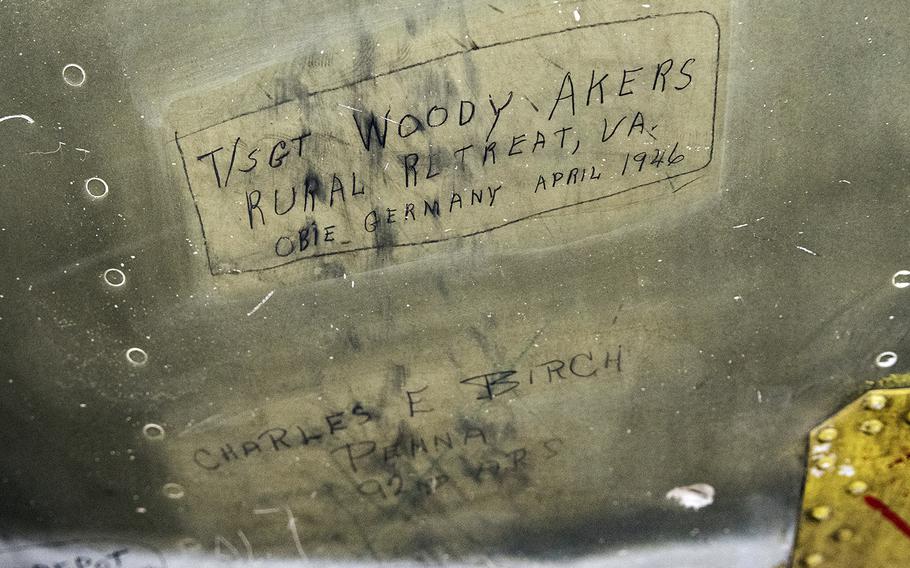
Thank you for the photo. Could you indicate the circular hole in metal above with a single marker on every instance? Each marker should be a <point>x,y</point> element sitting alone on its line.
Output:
<point>101,187</point>
<point>901,279</point>
<point>886,359</point>
<point>137,356</point>
<point>173,491</point>
<point>73,75</point>
<point>153,431</point>
<point>114,277</point>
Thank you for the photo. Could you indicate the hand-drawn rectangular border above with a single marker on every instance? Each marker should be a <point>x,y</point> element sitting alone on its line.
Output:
<point>212,270</point>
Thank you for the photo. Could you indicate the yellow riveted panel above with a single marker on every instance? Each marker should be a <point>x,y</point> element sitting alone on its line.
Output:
<point>856,502</point>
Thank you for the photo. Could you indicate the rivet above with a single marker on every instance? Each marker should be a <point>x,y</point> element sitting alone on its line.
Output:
<point>858,487</point>
<point>843,535</point>
<point>820,513</point>
<point>137,356</point>
<point>78,80</point>
<point>814,559</point>
<point>872,426</point>
<point>114,277</point>
<point>153,431</point>
<point>826,462</point>
<point>829,434</point>
<point>173,491</point>
<point>886,359</point>
<point>875,402</point>
<point>97,194</point>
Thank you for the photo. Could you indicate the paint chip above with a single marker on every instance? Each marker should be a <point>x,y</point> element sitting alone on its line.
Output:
<point>693,497</point>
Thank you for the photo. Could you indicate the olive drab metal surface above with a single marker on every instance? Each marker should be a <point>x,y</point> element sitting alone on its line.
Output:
<point>505,282</point>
